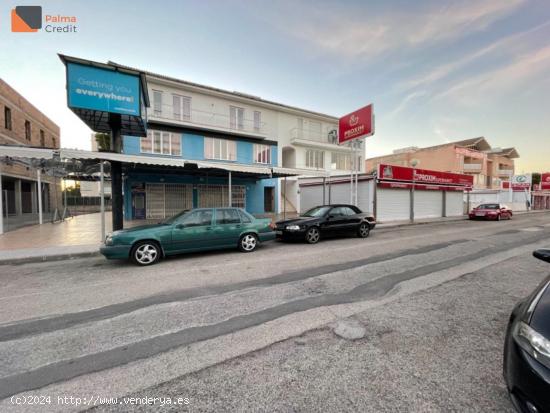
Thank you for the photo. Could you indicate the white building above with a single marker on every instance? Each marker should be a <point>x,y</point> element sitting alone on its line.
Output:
<point>304,139</point>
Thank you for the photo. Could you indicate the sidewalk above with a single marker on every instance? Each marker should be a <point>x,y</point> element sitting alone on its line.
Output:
<point>81,237</point>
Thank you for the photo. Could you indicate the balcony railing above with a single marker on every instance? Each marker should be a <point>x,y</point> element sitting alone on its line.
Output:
<point>207,119</point>
<point>473,167</point>
<point>318,137</point>
<point>505,172</point>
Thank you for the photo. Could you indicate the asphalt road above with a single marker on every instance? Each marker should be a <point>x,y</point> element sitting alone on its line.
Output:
<point>233,331</point>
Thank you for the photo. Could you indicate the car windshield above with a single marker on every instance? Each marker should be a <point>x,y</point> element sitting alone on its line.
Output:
<point>317,211</point>
<point>175,218</point>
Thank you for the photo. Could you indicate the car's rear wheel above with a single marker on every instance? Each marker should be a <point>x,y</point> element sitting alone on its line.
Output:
<point>364,230</point>
<point>248,242</point>
<point>313,235</point>
<point>146,253</point>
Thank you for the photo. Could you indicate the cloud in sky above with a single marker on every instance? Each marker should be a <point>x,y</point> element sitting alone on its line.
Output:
<point>347,33</point>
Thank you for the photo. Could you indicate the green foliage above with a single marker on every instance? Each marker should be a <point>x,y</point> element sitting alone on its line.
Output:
<point>103,141</point>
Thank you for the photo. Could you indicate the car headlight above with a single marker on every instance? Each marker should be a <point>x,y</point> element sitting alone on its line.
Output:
<point>293,227</point>
<point>533,343</point>
<point>109,240</point>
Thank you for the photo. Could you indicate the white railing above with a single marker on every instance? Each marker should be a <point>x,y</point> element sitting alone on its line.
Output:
<point>207,119</point>
<point>316,136</point>
<point>505,172</point>
<point>472,166</point>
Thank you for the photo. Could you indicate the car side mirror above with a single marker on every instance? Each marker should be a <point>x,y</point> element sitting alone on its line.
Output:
<point>542,254</point>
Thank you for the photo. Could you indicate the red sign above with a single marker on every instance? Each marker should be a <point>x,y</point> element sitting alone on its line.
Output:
<point>356,125</point>
<point>516,187</point>
<point>403,185</point>
<point>545,181</point>
<point>422,176</point>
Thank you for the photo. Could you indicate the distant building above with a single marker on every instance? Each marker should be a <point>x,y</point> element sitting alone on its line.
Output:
<point>490,166</point>
<point>22,124</point>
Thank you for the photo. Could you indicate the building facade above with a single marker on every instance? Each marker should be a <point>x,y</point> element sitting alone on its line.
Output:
<point>21,124</point>
<point>193,122</point>
<point>489,166</point>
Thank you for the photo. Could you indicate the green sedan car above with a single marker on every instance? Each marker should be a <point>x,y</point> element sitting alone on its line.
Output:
<point>190,231</point>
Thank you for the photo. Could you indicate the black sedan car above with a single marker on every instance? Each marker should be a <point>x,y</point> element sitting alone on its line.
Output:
<point>527,349</point>
<point>326,220</point>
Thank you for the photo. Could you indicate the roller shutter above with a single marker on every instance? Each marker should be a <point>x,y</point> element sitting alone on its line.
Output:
<point>428,204</point>
<point>454,203</point>
<point>166,200</point>
<point>392,204</point>
<point>215,196</point>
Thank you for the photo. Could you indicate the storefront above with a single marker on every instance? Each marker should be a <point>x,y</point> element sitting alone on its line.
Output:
<point>408,193</point>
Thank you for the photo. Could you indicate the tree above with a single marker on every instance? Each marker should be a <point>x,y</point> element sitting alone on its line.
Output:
<point>536,178</point>
<point>103,141</point>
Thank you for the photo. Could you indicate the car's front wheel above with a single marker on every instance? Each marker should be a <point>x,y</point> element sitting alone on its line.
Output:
<point>248,243</point>
<point>364,230</point>
<point>146,253</point>
<point>313,235</point>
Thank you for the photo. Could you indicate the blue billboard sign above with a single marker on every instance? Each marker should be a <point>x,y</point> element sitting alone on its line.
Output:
<point>94,88</point>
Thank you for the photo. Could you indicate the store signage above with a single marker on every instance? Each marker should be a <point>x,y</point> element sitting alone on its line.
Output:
<point>470,153</point>
<point>356,125</point>
<point>422,176</point>
<point>519,183</point>
<point>545,181</point>
<point>408,185</point>
<point>95,88</point>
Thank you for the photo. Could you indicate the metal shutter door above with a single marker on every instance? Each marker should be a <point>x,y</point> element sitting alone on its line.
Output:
<point>215,196</point>
<point>177,198</point>
<point>311,196</point>
<point>364,195</point>
<point>454,204</point>
<point>392,204</point>
<point>154,201</point>
<point>428,204</point>
<point>339,193</point>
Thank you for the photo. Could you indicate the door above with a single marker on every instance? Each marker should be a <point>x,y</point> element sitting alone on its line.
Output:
<point>228,227</point>
<point>192,232</point>
<point>138,205</point>
<point>269,198</point>
<point>428,204</point>
<point>392,204</point>
<point>337,221</point>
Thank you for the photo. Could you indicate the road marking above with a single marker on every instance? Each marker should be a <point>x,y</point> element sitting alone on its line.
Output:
<point>531,229</point>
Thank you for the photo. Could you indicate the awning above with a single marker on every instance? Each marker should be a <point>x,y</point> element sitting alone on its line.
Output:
<point>278,171</point>
<point>121,157</point>
<point>26,152</point>
<point>233,167</point>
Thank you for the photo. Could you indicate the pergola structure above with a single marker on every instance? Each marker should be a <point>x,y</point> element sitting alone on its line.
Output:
<point>74,163</point>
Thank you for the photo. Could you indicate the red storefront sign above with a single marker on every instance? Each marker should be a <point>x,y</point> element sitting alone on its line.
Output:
<point>358,124</point>
<point>422,176</point>
<point>516,186</point>
<point>408,185</point>
<point>545,181</point>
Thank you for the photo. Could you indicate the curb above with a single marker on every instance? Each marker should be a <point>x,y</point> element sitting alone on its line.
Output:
<point>53,257</point>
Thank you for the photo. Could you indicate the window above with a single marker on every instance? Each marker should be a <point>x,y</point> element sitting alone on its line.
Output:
<point>181,107</point>
<point>236,117</point>
<point>262,153</point>
<point>161,142</point>
<point>54,143</point>
<point>257,121</point>
<point>315,158</point>
<point>198,218</point>
<point>27,130</point>
<point>221,149</point>
<point>7,118</point>
<point>227,216</point>
<point>341,161</point>
<point>246,218</point>
<point>315,129</point>
<point>157,103</point>
<point>42,138</point>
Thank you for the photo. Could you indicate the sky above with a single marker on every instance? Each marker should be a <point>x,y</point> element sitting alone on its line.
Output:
<point>436,71</point>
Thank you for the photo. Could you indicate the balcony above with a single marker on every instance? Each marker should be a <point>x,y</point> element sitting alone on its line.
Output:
<point>209,120</point>
<point>318,138</point>
<point>505,172</point>
<point>472,167</point>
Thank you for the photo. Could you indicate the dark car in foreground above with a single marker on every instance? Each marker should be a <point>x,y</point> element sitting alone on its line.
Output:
<point>491,212</point>
<point>527,349</point>
<point>326,220</point>
<point>189,231</point>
